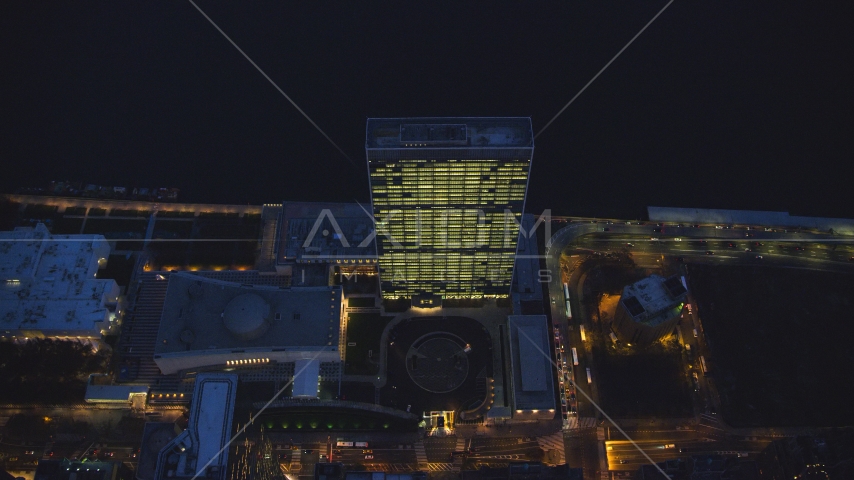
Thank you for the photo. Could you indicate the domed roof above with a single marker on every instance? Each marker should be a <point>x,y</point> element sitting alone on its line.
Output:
<point>246,316</point>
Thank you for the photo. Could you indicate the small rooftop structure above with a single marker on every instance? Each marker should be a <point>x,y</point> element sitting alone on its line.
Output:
<point>323,232</point>
<point>454,132</point>
<point>532,379</point>
<point>208,322</point>
<point>48,284</point>
<point>198,450</point>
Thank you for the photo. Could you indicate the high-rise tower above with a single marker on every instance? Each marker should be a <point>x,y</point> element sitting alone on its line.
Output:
<point>447,196</point>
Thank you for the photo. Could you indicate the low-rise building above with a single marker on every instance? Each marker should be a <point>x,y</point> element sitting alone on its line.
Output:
<point>50,286</point>
<point>340,234</point>
<point>531,374</point>
<point>212,323</point>
<point>100,389</point>
<point>649,309</point>
<point>201,450</point>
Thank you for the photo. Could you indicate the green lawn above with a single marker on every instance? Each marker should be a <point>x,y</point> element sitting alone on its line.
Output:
<point>361,302</point>
<point>364,330</point>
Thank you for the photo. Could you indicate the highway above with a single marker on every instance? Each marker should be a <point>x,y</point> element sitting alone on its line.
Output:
<point>622,455</point>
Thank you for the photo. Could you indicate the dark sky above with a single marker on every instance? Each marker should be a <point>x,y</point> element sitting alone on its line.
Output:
<point>729,104</point>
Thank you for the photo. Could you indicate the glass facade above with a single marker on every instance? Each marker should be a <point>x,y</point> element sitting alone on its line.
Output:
<point>447,217</point>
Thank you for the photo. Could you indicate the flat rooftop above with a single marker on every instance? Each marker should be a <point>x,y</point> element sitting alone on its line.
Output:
<point>112,393</point>
<point>49,281</point>
<point>647,298</point>
<point>211,413</point>
<point>198,315</point>
<point>533,382</point>
<point>325,232</point>
<point>527,269</point>
<point>449,132</point>
<point>196,451</point>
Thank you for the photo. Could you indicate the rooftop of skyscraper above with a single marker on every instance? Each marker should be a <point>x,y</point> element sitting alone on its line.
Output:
<point>449,132</point>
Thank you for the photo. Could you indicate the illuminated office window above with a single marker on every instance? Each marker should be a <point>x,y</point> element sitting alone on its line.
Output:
<point>441,204</point>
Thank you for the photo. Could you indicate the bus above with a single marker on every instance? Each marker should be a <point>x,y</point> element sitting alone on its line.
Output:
<point>362,444</point>
<point>703,365</point>
<point>574,356</point>
<point>343,443</point>
<point>566,301</point>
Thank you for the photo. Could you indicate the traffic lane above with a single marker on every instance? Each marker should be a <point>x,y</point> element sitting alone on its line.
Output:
<point>560,321</point>
<point>520,448</point>
<point>353,456</point>
<point>632,460</point>
<point>703,231</point>
<point>709,233</point>
<point>835,244</point>
<point>620,456</point>
<point>647,435</point>
<point>813,255</point>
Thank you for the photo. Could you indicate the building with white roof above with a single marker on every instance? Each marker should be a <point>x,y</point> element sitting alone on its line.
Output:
<point>201,450</point>
<point>649,309</point>
<point>49,285</point>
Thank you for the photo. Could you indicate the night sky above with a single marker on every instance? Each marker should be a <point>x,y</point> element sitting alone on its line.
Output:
<point>727,104</point>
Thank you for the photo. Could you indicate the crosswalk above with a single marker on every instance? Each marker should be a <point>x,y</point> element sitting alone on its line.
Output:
<point>709,419</point>
<point>461,444</point>
<point>295,460</point>
<point>440,467</point>
<point>574,422</point>
<point>420,454</point>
